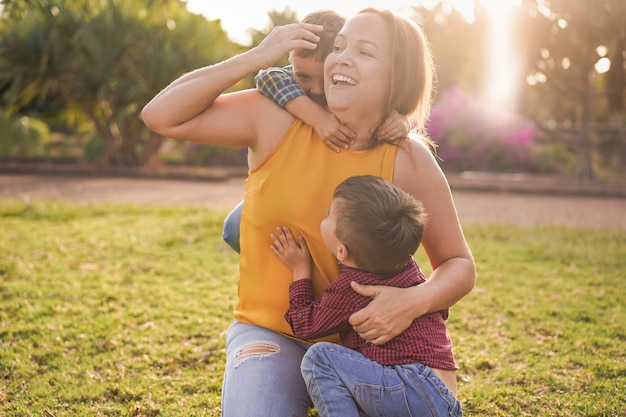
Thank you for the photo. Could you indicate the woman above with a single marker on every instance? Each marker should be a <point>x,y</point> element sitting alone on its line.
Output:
<point>380,63</point>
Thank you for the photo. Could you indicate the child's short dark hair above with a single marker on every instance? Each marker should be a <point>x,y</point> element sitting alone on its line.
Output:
<point>332,23</point>
<point>380,224</point>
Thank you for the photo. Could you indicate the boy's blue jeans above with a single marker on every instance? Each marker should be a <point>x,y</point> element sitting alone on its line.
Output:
<point>343,382</point>
<point>230,233</point>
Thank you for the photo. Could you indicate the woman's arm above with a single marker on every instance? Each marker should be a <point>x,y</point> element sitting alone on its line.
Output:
<point>392,310</point>
<point>193,107</point>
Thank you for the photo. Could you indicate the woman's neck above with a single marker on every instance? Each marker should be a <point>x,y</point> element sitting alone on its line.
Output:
<point>361,142</point>
<point>364,134</point>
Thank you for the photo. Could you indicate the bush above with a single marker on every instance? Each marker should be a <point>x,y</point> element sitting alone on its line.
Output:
<point>94,148</point>
<point>553,158</point>
<point>197,154</point>
<point>472,137</point>
<point>22,135</point>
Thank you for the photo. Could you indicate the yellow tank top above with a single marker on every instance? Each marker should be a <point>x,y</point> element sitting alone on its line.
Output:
<point>294,187</point>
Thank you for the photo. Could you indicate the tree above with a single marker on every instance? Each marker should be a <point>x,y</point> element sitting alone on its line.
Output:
<point>103,60</point>
<point>458,46</point>
<point>562,39</point>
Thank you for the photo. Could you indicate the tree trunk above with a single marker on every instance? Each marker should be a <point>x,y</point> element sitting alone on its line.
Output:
<point>616,79</point>
<point>585,170</point>
<point>151,155</point>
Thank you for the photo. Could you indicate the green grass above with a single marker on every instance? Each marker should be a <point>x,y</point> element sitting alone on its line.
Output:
<point>121,311</point>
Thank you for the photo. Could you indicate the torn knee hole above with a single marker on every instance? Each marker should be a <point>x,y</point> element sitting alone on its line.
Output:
<point>259,349</point>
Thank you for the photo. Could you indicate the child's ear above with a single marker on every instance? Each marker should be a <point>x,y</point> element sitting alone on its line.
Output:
<point>342,253</point>
<point>291,55</point>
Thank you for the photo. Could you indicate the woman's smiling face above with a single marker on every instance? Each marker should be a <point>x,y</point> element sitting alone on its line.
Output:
<point>358,70</point>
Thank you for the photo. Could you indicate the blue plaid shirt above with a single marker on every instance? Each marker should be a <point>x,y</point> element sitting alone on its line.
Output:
<point>278,84</point>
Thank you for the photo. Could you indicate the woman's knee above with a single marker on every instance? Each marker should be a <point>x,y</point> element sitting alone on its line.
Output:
<point>262,373</point>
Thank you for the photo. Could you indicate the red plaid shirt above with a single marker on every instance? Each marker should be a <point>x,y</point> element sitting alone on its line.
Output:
<point>426,341</point>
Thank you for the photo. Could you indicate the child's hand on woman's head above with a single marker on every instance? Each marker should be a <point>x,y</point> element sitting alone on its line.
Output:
<point>294,254</point>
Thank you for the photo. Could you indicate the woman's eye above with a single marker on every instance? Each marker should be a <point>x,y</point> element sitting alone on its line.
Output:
<point>337,47</point>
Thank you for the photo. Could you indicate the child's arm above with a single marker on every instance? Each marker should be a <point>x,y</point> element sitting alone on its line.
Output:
<point>396,127</point>
<point>279,85</point>
<point>311,318</point>
<point>308,317</point>
<point>333,133</point>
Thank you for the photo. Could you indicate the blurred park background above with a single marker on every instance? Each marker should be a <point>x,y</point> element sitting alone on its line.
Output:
<point>110,309</point>
<point>74,75</point>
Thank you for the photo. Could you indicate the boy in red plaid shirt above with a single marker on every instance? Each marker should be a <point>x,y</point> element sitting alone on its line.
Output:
<point>373,228</point>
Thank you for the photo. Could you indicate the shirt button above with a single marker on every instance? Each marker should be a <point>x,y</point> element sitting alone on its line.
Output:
<point>299,315</point>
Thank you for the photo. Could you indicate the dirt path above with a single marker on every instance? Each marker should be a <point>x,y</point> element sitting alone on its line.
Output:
<point>473,206</point>
<point>88,189</point>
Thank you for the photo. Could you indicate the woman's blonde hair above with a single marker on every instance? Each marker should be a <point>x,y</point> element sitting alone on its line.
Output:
<point>412,70</point>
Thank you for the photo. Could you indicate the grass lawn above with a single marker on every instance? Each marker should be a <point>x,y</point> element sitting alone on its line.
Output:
<point>113,310</point>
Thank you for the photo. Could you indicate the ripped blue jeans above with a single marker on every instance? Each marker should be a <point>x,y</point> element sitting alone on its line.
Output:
<point>262,376</point>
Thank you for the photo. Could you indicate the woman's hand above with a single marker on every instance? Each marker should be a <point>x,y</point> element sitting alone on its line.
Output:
<point>283,39</point>
<point>388,314</point>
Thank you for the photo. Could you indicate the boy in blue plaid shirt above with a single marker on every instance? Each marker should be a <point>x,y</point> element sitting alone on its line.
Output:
<point>300,86</point>
<point>299,89</point>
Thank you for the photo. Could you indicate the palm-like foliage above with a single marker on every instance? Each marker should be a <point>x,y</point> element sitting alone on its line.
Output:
<point>105,59</point>
<point>31,61</point>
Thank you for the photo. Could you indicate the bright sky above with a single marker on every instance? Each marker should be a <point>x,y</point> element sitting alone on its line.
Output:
<point>237,16</point>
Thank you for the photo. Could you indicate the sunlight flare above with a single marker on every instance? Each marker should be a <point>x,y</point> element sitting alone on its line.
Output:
<point>502,66</point>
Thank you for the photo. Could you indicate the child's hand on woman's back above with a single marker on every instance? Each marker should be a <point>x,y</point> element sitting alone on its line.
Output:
<point>294,254</point>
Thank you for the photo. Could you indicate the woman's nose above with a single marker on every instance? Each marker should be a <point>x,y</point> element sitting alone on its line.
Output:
<point>344,57</point>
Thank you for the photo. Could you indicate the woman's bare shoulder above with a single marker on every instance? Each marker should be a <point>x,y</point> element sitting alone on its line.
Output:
<point>271,124</point>
<point>244,118</point>
<point>416,168</point>
<point>416,154</point>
